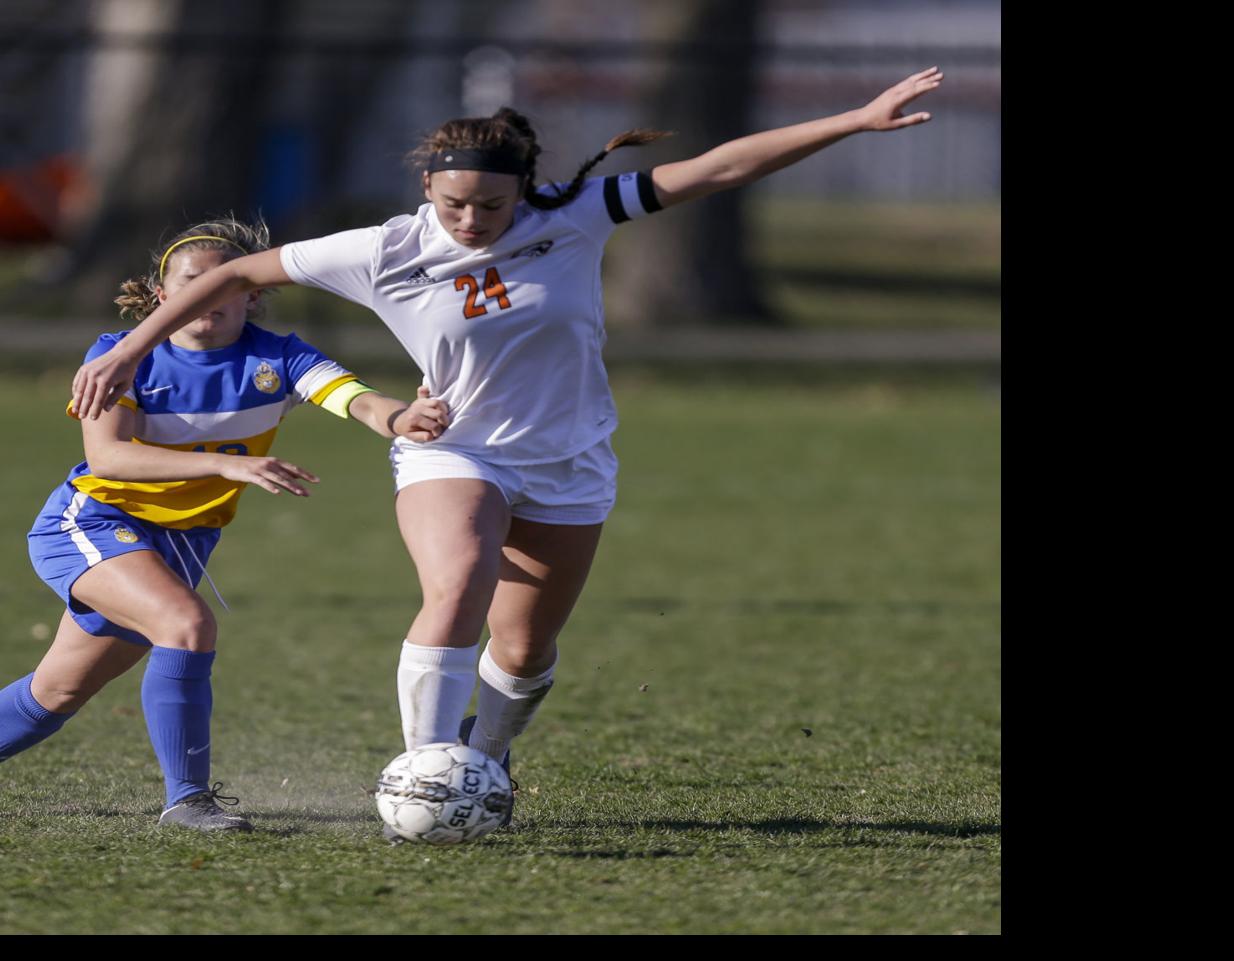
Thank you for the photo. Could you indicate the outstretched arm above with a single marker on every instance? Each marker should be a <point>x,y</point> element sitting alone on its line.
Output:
<point>751,158</point>
<point>422,420</point>
<point>112,455</point>
<point>100,383</point>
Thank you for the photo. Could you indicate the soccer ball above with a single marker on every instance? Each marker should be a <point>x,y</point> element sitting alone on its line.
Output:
<point>443,794</point>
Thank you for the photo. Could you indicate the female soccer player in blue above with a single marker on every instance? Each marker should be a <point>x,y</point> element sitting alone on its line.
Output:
<point>125,540</point>
<point>493,288</point>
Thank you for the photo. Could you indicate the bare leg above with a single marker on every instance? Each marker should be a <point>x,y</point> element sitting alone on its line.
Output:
<point>543,570</point>
<point>140,592</point>
<point>78,665</point>
<point>453,529</point>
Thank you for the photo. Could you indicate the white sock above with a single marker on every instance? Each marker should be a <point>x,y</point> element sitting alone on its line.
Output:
<point>434,685</point>
<point>505,706</point>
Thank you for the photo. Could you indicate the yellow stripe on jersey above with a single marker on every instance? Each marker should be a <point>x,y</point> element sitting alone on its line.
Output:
<point>202,502</point>
<point>123,402</point>
<point>337,395</point>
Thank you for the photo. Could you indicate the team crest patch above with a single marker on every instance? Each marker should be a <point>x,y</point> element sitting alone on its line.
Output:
<point>265,378</point>
<point>125,536</point>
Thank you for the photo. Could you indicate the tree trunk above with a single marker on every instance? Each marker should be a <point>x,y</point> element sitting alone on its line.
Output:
<point>171,132</point>
<point>690,264</point>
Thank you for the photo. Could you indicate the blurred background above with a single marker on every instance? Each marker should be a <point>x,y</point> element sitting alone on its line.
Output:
<point>800,584</point>
<point>124,120</point>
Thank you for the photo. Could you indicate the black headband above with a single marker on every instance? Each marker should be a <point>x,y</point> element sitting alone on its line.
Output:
<point>498,160</point>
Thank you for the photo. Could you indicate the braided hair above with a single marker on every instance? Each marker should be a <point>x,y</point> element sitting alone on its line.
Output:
<point>232,238</point>
<point>509,128</point>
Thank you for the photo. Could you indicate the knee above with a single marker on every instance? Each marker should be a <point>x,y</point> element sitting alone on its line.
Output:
<point>520,654</point>
<point>191,628</point>
<point>461,592</point>
<point>62,698</point>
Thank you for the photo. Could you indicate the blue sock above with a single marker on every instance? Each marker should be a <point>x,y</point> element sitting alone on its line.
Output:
<point>23,720</point>
<point>176,697</point>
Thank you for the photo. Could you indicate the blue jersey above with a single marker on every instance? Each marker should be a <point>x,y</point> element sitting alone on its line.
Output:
<point>230,400</point>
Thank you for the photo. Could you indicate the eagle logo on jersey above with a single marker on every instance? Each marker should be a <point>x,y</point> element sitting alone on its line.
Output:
<point>266,379</point>
<point>125,536</point>
<point>535,250</point>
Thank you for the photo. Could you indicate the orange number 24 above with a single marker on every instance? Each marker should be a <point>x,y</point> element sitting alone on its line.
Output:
<point>494,289</point>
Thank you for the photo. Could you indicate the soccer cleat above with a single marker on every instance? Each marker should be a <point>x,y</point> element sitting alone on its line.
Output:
<point>464,734</point>
<point>202,813</point>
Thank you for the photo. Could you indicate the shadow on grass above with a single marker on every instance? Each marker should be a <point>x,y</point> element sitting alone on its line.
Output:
<point>84,811</point>
<point>848,835</point>
<point>313,817</point>
<point>258,815</point>
<point>811,826</point>
<point>602,854</point>
<point>788,826</point>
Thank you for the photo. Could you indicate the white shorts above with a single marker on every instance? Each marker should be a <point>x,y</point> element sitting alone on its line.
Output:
<point>578,490</point>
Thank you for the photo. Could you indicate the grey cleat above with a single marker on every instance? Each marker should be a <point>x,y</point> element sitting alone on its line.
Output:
<point>464,734</point>
<point>392,835</point>
<point>201,812</point>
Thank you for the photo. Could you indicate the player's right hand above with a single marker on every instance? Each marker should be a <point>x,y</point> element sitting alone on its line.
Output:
<point>99,383</point>
<point>270,473</point>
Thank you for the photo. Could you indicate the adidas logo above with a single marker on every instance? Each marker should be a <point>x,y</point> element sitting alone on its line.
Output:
<point>535,250</point>
<point>419,276</point>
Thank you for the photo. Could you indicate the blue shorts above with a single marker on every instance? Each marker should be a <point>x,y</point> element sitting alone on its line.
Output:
<point>74,532</point>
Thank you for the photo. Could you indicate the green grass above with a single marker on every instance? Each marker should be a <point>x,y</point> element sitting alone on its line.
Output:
<point>945,242</point>
<point>781,558</point>
<point>880,266</point>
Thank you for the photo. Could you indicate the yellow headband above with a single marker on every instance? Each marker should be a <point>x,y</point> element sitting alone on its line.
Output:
<point>221,240</point>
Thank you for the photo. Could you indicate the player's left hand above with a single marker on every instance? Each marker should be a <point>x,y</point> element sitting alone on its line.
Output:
<point>884,112</point>
<point>424,420</point>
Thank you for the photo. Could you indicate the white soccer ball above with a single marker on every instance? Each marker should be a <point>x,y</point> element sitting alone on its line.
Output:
<point>443,794</point>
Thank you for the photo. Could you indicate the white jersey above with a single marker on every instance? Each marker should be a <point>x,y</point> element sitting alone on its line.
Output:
<point>510,335</point>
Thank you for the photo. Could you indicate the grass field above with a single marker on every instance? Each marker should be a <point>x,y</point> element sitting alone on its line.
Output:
<point>777,709</point>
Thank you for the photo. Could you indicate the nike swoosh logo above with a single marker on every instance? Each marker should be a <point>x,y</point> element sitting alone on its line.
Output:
<point>147,391</point>
<point>198,750</point>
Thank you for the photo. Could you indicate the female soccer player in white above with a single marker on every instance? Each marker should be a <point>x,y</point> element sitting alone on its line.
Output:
<point>125,539</point>
<point>493,288</point>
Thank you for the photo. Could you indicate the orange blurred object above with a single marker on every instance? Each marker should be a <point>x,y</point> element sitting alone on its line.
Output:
<point>34,201</point>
